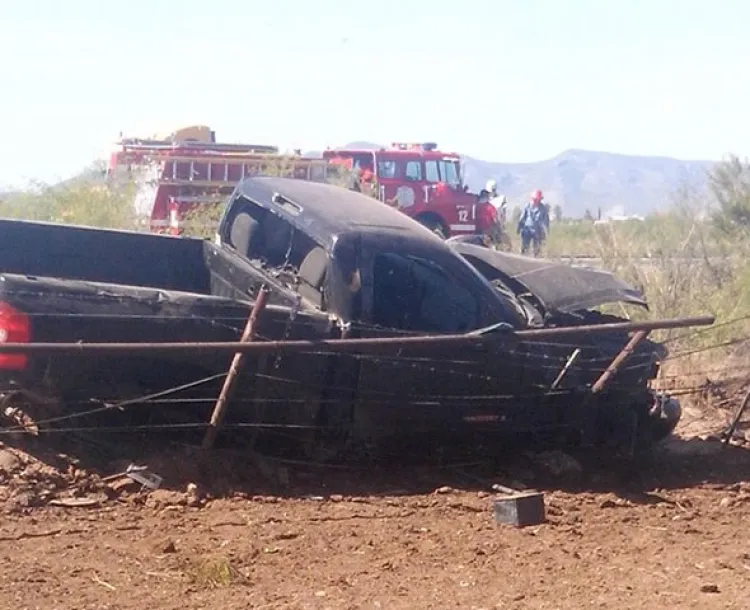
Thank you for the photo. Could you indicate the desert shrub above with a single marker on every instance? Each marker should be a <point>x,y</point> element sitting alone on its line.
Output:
<point>84,200</point>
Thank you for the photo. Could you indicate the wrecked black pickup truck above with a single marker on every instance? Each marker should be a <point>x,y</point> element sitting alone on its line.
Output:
<point>335,264</point>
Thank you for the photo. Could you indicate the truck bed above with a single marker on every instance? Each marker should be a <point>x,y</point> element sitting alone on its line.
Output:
<point>65,311</point>
<point>79,284</point>
<point>132,259</point>
<point>100,255</point>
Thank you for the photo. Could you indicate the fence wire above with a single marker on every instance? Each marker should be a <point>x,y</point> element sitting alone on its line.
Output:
<point>538,363</point>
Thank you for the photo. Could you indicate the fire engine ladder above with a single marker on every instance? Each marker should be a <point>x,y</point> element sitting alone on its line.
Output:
<point>217,172</point>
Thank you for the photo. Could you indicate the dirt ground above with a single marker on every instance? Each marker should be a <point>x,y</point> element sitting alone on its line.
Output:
<point>221,533</point>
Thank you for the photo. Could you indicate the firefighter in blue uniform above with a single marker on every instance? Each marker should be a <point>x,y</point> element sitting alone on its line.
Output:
<point>533,226</point>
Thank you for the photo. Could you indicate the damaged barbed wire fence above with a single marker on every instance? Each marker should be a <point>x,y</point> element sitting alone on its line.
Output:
<point>248,335</point>
<point>615,365</point>
<point>436,355</point>
<point>728,433</point>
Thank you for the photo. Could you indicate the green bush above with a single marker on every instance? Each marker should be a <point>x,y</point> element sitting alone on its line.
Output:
<point>85,200</point>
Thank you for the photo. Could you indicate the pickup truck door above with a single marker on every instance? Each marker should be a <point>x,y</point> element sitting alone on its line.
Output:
<point>427,387</point>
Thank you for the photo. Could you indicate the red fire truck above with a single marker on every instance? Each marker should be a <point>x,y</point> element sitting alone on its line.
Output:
<point>423,182</point>
<point>188,168</point>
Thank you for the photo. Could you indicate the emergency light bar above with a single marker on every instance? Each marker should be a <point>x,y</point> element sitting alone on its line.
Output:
<point>137,144</point>
<point>428,146</point>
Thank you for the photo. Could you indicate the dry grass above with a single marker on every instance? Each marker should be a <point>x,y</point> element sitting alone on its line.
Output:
<point>212,572</point>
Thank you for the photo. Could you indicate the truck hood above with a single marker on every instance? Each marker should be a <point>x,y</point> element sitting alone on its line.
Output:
<point>557,285</point>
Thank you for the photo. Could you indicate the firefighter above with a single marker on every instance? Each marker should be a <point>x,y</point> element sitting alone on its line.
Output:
<point>497,233</point>
<point>533,225</point>
<point>498,201</point>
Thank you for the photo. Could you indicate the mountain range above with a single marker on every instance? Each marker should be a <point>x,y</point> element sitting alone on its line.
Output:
<point>581,180</point>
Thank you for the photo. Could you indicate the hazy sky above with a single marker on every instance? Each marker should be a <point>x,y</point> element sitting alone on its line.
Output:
<point>502,80</point>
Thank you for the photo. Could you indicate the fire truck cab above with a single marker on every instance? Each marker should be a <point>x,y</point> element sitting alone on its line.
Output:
<point>421,181</point>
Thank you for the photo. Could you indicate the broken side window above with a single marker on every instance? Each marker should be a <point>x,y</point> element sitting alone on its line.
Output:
<point>415,294</point>
<point>263,237</point>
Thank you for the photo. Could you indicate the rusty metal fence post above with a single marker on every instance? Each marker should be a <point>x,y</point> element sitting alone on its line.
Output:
<point>619,360</point>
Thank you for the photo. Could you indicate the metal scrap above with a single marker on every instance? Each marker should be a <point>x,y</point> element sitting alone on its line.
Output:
<point>140,474</point>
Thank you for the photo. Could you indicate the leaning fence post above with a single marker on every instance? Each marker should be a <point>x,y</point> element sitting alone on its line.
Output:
<point>248,335</point>
<point>729,432</point>
<point>619,359</point>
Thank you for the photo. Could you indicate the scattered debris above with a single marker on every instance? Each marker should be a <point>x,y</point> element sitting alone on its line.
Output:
<point>76,502</point>
<point>122,485</point>
<point>20,418</point>
<point>141,475</point>
<point>394,526</point>
<point>519,508</point>
<point>615,503</point>
<point>194,498</point>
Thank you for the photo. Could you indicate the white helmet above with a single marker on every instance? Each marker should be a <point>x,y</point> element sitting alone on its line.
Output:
<point>491,185</point>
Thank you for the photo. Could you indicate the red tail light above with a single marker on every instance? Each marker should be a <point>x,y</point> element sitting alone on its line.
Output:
<point>486,216</point>
<point>15,327</point>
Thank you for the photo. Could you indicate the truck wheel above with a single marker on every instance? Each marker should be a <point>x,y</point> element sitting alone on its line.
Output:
<point>434,224</point>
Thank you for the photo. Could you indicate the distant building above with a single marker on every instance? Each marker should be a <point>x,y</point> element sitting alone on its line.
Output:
<point>609,219</point>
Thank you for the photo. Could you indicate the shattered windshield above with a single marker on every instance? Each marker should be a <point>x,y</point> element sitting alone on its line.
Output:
<point>414,294</point>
